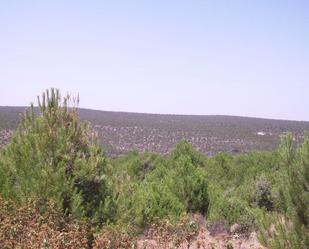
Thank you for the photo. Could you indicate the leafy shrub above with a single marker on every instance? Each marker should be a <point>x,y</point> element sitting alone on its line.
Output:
<point>231,210</point>
<point>153,201</point>
<point>263,194</point>
<point>189,183</point>
<point>169,187</point>
<point>187,178</point>
<point>185,148</point>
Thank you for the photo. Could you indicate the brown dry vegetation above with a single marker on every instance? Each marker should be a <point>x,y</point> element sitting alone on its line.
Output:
<point>31,227</point>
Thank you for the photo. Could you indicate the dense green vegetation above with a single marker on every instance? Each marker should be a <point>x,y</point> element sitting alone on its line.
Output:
<point>54,156</point>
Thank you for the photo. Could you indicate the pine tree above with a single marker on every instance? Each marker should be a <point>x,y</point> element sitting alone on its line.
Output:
<point>54,155</point>
<point>291,226</point>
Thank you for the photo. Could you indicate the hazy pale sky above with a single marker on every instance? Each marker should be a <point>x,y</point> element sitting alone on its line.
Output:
<point>248,58</point>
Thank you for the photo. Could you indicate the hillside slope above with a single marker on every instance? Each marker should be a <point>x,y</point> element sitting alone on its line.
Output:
<point>121,132</point>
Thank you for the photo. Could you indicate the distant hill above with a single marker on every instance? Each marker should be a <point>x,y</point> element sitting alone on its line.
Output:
<point>121,132</point>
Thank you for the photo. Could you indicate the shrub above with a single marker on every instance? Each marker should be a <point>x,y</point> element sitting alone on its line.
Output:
<point>171,187</point>
<point>187,177</point>
<point>263,194</point>
<point>230,210</point>
<point>189,183</point>
<point>153,201</point>
<point>185,148</point>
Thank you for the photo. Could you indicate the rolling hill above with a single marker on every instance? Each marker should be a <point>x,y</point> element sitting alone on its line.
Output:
<point>121,132</point>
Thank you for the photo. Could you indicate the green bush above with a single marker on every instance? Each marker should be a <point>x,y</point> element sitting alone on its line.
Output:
<point>185,148</point>
<point>188,181</point>
<point>263,194</point>
<point>231,210</point>
<point>151,187</point>
<point>153,201</point>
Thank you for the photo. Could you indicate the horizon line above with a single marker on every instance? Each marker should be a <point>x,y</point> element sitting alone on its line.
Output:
<point>174,114</point>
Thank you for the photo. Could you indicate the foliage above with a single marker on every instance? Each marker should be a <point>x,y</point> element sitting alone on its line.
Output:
<point>55,162</point>
<point>232,211</point>
<point>263,194</point>
<point>290,229</point>
<point>175,185</point>
<point>52,156</point>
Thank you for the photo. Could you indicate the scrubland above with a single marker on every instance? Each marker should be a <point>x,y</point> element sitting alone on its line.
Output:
<point>59,189</point>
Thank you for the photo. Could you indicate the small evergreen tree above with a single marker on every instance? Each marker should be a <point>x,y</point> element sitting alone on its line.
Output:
<point>52,155</point>
<point>292,227</point>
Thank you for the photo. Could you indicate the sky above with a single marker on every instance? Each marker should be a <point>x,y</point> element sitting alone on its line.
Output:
<point>211,57</point>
